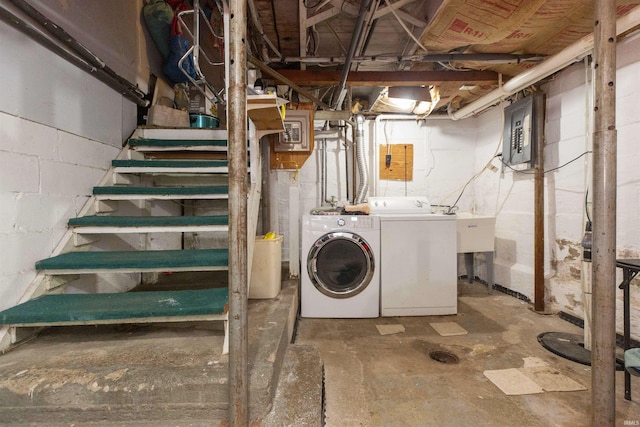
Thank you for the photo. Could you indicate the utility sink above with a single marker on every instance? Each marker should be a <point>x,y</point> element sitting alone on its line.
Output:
<point>475,233</point>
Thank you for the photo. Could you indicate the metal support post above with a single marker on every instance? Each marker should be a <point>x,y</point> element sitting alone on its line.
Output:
<point>237,153</point>
<point>603,359</point>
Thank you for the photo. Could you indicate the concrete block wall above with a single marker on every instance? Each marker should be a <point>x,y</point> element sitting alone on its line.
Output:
<point>444,160</point>
<point>628,189</point>
<point>44,183</point>
<point>59,130</point>
<point>509,195</point>
<point>448,154</point>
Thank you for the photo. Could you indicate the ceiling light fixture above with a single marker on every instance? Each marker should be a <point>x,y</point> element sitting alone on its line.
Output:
<point>416,93</point>
<point>401,105</point>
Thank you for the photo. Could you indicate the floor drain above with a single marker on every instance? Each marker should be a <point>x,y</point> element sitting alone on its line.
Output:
<point>444,357</point>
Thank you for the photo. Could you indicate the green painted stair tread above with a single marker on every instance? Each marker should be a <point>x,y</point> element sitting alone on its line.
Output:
<point>105,308</point>
<point>147,221</point>
<point>139,142</point>
<point>173,191</point>
<point>170,163</point>
<point>170,260</point>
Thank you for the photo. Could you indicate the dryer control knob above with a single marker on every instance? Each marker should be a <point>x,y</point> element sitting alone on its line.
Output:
<point>341,222</point>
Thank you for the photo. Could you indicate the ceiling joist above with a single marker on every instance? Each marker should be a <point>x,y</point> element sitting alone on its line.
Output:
<point>339,6</point>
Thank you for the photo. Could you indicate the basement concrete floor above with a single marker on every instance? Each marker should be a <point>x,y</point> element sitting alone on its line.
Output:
<point>375,380</point>
<point>160,375</point>
<point>174,375</point>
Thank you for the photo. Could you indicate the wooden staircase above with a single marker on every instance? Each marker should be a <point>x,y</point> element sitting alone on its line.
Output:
<point>174,167</point>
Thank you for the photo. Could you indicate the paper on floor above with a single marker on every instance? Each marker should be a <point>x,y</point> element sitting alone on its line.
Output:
<point>513,382</point>
<point>534,362</point>
<point>390,329</point>
<point>536,371</point>
<point>551,380</point>
<point>447,329</point>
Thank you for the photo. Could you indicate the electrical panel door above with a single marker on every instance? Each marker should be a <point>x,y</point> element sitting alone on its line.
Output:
<point>296,132</point>
<point>519,133</point>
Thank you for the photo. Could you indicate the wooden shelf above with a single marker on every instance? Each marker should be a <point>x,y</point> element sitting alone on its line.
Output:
<point>264,111</point>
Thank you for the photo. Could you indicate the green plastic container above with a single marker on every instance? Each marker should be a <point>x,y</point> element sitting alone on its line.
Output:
<point>203,121</point>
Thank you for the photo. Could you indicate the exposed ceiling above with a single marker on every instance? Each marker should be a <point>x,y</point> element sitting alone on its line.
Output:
<point>456,49</point>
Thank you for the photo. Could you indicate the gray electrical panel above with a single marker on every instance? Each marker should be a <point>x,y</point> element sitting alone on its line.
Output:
<point>521,132</point>
<point>297,127</point>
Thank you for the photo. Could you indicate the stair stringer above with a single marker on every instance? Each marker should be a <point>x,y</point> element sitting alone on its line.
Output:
<point>44,283</point>
<point>41,284</point>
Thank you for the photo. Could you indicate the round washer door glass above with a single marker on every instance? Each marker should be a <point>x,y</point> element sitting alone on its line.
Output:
<point>341,264</point>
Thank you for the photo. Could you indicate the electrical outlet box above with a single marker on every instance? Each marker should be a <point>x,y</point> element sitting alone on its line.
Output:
<point>297,129</point>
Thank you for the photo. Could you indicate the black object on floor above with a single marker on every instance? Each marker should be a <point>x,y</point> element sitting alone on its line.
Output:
<point>571,347</point>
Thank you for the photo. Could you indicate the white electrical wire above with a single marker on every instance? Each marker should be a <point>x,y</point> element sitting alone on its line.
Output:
<point>476,175</point>
<point>317,40</point>
<point>433,156</point>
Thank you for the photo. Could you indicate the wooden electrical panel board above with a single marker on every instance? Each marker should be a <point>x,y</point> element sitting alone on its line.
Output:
<point>401,166</point>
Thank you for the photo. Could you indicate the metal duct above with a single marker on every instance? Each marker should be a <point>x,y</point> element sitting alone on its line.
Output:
<point>357,33</point>
<point>323,172</point>
<point>363,184</point>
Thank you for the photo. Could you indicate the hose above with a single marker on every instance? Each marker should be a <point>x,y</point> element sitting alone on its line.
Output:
<point>363,174</point>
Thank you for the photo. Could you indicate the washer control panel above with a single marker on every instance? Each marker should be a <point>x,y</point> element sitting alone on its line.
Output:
<point>341,222</point>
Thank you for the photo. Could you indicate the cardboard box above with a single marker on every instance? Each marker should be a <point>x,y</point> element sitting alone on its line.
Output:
<point>159,115</point>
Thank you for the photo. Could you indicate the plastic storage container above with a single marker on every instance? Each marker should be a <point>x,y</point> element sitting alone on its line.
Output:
<point>203,121</point>
<point>266,269</point>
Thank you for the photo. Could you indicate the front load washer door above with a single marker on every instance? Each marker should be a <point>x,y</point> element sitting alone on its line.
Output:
<point>341,264</point>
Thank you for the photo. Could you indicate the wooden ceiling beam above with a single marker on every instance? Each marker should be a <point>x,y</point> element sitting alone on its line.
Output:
<point>389,78</point>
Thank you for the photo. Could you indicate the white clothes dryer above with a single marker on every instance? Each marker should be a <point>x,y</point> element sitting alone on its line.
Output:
<point>340,275</point>
<point>418,275</point>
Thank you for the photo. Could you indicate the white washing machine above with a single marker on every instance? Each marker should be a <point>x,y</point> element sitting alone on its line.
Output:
<point>418,276</point>
<point>340,258</point>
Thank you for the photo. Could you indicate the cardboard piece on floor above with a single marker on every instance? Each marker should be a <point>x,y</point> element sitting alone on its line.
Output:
<point>513,382</point>
<point>390,329</point>
<point>534,362</point>
<point>549,379</point>
<point>448,329</point>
